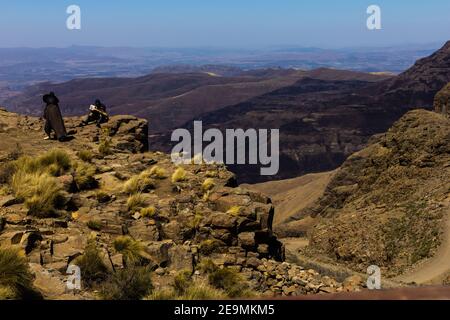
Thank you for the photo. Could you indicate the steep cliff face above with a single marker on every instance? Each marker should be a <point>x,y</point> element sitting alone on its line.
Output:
<point>58,200</point>
<point>388,203</point>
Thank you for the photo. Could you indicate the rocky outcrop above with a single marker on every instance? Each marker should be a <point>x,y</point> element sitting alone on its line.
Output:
<point>442,101</point>
<point>177,223</point>
<point>122,133</point>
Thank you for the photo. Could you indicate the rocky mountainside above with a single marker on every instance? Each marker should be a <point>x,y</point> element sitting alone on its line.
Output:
<point>389,203</point>
<point>419,84</point>
<point>103,202</point>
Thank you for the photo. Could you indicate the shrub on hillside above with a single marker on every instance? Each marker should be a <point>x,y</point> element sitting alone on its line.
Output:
<point>59,159</point>
<point>200,290</point>
<point>131,283</point>
<point>181,281</point>
<point>209,246</point>
<point>16,280</point>
<point>207,266</point>
<point>230,282</point>
<point>102,196</point>
<point>196,290</point>
<point>94,270</point>
<point>6,172</point>
<point>185,287</point>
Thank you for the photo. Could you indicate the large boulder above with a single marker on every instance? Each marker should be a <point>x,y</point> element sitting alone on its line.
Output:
<point>129,133</point>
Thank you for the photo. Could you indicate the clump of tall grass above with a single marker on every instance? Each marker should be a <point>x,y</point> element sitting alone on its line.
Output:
<point>16,280</point>
<point>94,270</point>
<point>84,176</point>
<point>234,211</point>
<point>33,181</point>
<point>135,202</point>
<point>85,155</point>
<point>54,162</point>
<point>131,283</point>
<point>208,184</point>
<point>179,175</point>
<point>142,182</point>
<point>209,246</point>
<point>184,287</point>
<point>105,145</point>
<point>148,212</point>
<point>158,173</point>
<point>230,281</point>
<point>6,172</point>
<point>40,192</point>
<point>225,279</point>
<point>94,225</point>
<point>131,249</point>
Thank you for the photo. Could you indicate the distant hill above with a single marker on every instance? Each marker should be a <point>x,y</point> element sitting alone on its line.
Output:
<point>167,100</point>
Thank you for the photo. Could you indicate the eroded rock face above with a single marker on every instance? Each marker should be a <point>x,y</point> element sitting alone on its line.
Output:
<point>442,101</point>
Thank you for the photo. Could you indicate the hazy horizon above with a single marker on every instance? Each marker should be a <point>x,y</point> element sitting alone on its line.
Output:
<point>225,24</point>
<point>430,45</point>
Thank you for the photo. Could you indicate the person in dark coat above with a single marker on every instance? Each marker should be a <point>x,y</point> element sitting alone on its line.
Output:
<point>97,114</point>
<point>53,119</point>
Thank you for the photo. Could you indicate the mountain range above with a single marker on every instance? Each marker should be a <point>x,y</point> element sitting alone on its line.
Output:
<point>324,115</point>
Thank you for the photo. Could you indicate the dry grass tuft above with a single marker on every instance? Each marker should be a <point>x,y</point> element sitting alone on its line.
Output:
<point>84,176</point>
<point>135,202</point>
<point>208,185</point>
<point>179,175</point>
<point>16,280</point>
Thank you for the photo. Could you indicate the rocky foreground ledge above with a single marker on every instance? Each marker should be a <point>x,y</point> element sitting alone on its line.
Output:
<point>126,201</point>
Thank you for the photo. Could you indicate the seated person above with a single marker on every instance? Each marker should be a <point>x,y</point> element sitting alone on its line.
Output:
<point>97,114</point>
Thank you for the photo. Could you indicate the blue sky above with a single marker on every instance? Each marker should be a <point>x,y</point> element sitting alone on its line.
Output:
<point>223,23</point>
